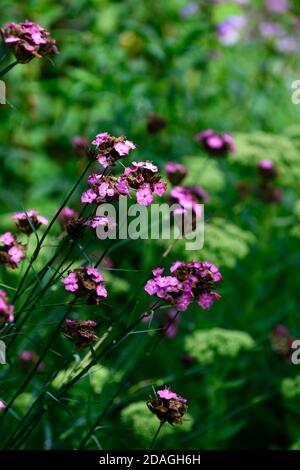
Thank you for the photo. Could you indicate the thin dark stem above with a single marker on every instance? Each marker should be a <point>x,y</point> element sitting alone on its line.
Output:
<point>156,435</point>
<point>8,68</point>
<point>37,250</point>
<point>38,363</point>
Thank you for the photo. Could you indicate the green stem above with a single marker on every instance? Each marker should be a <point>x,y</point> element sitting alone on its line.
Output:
<point>156,435</point>
<point>8,68</point>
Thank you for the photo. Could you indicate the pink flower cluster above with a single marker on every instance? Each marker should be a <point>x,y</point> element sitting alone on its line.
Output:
<point>6,310</point>
<point>189,281</point>
<point>143,177</point>
<point>11,251</point>
<point>176,172</point>
<point>81,332</point>
<point>109,149</point>
<point>86,280</point>
<point>66,216</point>
<point>189,198</point>
<point>104,189</point>
<point>28,40</point>
<point>217,145</point>
<point>29,221</point>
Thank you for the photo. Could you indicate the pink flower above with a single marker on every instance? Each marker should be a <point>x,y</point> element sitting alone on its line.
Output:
<point>109,149</point>
<point>176,172</point>
<point>101,291</point>
<point>206,299</point>
<point>71,282</point>
<point>88,196</point>
<point>189,281</point>
<point>11,252</point>
<point>151,287</point>
<point>122,186</point>
<point>160,188</point>
<point>144,195</point>
<point>16,254</point>
<point>217,145</point>
<point>157,271</point>
<point>86,281</point>
<point>142,177</point>
<point>123,148</point>
<point>28,40</point>
<point>100,138</point>
<point>66,216</point>
<point>29,221</point>
<point>2,405</point>
<point>81,332</point>
<point>167,394</point>
<point>105,189</point>
<point>96,275</point>
<point>7,239</point>
<point>6,310</point>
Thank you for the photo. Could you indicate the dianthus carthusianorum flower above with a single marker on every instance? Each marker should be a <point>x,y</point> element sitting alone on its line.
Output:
<point>104,189</point>
<point>109,149</point>
<point>144,177</point>
<point>216,144</point>
<point>81,332</point>
<point>168,406</point>
<point>11,251</point>
<point>28,40</point>
<point>189,198</point>
<point>86,280</point>
<point>188,281</point>
<point>176,172</point>
<point>266,169</point>
<point>29,221</point>
<point>6,310</point>
<point>65,216</point>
